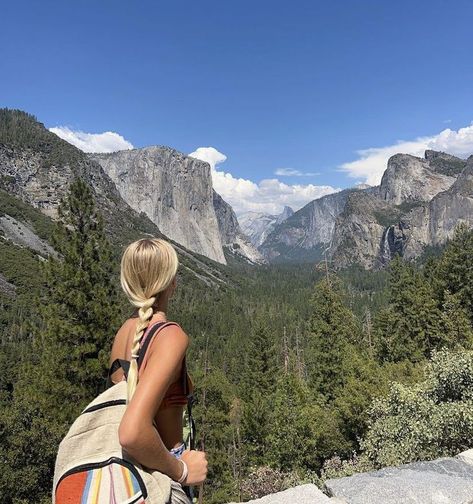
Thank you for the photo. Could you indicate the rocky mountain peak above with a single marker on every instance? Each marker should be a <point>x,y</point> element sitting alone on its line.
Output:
<point>258,225</point>
<point>285,214</point>
<point>409,178</point>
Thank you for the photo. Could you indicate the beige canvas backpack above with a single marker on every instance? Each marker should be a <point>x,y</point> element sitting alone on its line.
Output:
<point>91,466</point>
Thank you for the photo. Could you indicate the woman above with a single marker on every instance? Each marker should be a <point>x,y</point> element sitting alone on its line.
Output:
<point>151,428</point>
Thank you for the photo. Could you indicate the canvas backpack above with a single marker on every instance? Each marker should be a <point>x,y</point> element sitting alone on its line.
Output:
<point>91,466</point>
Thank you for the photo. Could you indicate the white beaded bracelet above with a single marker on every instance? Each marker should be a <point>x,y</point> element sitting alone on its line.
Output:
<point>185,471</point>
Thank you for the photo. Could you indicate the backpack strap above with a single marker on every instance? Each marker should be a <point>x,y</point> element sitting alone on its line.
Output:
<point>116,365</point>
<point>144,344</point>
<point>148,338</point>
<point>191,429</point>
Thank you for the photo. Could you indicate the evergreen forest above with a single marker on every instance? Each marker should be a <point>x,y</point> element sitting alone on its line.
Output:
<point>302,373</point>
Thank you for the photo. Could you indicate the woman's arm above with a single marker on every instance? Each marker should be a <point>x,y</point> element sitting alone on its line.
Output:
<point>136,432</point>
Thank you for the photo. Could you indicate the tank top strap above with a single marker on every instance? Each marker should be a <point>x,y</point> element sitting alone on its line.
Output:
<point>148,336</point>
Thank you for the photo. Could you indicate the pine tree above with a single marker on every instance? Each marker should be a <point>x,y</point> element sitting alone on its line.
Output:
<point>215,432</point>
<point>301,430</point>
<point>291,433</point>
<point>79,309</point>
<point>73,327</point>
<point>454,271</point>
<point>260,372</point>
<point>409,328</point>
<point>455,322</point>
<point>332,330</point>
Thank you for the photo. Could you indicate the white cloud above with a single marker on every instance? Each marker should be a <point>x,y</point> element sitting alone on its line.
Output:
<point>289,172</point>
<point>210,155</point>
<point>107,141</point>
<point>269,195</point>
<point>372,162</point>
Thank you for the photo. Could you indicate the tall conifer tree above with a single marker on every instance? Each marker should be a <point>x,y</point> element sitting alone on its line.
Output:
<point>79,309</point>
<point>409,328</point>
<point>331,332</point>
<point>260,373</point>
<point>72,329</point>
<point>454,272</point>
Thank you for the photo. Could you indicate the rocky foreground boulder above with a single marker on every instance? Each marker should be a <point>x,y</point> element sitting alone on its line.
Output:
<point>446,480</point>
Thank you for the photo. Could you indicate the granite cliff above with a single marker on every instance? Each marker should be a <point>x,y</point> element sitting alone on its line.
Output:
<point>308,232</point>
<point>175,192</point>
<point>418,203</point>
<point>36,168</point>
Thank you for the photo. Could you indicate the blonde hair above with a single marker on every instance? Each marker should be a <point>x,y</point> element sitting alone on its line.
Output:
<point>148,267</point>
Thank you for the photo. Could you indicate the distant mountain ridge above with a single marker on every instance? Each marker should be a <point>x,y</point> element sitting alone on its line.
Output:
<point>257,225</point>
<point>305,234</point>
<point>160,192</point>
<point>418,203</point>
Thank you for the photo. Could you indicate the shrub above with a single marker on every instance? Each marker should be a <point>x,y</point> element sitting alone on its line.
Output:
<point>431,419</point>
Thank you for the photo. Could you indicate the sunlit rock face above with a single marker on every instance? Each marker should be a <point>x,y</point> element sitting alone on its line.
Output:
<point>412,179</point>
<point>173,190</point>
<point>445,480</point>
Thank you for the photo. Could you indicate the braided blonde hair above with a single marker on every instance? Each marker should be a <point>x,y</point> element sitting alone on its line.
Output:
<point>148,267</point>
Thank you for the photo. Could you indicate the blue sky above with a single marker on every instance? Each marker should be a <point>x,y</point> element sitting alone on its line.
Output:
<point>300,86</point>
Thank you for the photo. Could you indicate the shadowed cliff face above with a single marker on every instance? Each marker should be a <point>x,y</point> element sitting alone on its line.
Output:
<point>452,207</point>
<point>173,190</point>
<point>231,235</point>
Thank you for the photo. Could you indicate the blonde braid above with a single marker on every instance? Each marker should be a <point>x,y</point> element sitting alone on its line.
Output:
<point>148,268</point>
<point>145,313</point>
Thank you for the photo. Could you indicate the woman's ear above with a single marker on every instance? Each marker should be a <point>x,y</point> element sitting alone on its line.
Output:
<point>172,287</point>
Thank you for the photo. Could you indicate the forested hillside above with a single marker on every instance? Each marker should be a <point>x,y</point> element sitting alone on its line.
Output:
<point>287,360</point>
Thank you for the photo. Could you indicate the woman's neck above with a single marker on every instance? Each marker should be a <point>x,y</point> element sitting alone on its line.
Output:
<point>159,315</point>
<point>160,309</point>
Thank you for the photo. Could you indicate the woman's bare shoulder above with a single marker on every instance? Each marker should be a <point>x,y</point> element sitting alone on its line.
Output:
<point>172,336</point>
<point>120,341</point>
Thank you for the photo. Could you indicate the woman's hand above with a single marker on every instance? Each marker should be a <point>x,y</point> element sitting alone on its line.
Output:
<point>196,462</point>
